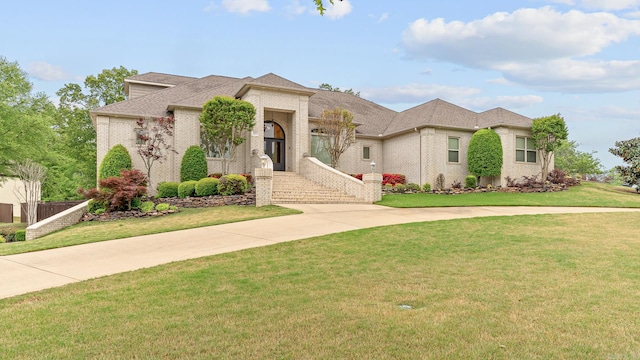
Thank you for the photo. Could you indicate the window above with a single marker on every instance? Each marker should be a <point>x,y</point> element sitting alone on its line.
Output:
<point>454,149</point>
<point>141,136</point>
<point>318,150</point>
<point>366,153</point>
<point>526,150</point>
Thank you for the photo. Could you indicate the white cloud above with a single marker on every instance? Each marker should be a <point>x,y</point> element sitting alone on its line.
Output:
<point>294,8</point>
<point>47,72</point>
<point>383,18</point>
<point>610,4</point>
<point>338,10</point>
<point>245,6</point>
<point>534,46</point>
<point>417,93</point>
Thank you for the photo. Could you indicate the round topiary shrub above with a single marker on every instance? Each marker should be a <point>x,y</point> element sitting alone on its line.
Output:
<point>207,187</point>
<point>194,164</point>
<point>167,189</point>
<point>187,189</point>
<point>232,184</point>
<point>116,160</point>
<point>470,181</point>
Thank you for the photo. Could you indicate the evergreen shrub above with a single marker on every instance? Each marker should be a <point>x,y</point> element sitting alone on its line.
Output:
<point>194,164</point>
<point>167,189</point>
<point>232,184</point>
<point>116,160</point>
<point>21,235</point>
<point>187,189</point>
<point>470,181</point>
<point>207,187</point>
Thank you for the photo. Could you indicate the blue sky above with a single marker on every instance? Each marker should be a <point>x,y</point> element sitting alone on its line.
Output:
<point>578,58</point>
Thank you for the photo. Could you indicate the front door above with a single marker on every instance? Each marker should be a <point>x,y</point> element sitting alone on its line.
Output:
<point>274,145</point>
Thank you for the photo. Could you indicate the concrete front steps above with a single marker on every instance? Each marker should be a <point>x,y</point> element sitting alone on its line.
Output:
<point>291,188</point>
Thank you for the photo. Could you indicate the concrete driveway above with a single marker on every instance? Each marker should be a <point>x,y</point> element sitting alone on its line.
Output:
<point>24,273</point>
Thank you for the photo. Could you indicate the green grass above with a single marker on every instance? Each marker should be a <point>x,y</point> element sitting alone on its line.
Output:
<point>588,194</point>
<point>520,287</point>
<point>88,232</point>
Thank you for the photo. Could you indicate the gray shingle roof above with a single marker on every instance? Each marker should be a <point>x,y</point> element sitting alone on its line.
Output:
<point>437,113</point>
<point>502,117</point>
<point>374,119</point>
<point>159,78</point>
<point>155,104</point>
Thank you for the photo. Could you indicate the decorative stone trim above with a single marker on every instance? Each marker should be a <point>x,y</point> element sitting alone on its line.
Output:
<point>56,222</point>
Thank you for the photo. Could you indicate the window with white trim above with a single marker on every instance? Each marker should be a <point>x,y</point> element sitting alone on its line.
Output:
<point>526,150</point>
<point>454,149</point>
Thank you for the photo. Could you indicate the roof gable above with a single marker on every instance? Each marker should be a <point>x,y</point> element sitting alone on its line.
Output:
<point>438,113</point>
<point>502,117</point>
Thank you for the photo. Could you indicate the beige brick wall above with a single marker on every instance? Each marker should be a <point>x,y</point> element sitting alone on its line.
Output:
<point>402,156</point>
<point>511,167</point>
<point>316,171</point>
<point>352,161</point>
<point>56,222</point>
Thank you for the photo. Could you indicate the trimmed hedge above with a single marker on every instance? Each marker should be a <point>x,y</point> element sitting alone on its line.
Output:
<point>484,155</point>
<point>167,189</point>
<point>232,184</point>
<point>187,189</point>
<point>470,181</point>
<point>193,165</point>
<point>116,160</point>
<point>207,186</point>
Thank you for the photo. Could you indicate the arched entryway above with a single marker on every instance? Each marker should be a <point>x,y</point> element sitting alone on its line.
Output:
<point>274,144</point>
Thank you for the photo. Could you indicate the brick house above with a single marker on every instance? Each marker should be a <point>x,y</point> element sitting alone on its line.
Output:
<point>420,142</point>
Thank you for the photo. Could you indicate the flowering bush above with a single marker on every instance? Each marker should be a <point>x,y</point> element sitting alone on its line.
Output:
<point>393,179</point>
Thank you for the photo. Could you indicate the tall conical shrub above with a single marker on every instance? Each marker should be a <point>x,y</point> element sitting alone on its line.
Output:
<point>117,159</point>
<point>194,164</point>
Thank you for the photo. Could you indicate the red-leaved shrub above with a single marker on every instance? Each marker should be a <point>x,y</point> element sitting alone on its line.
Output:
<point>118,192</point>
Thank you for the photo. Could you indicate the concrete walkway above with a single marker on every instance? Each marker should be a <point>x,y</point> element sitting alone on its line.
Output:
<point>29,272</point>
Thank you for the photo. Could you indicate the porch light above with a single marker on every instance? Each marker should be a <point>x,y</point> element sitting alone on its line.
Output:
<point>373,166</point>
<point>264,162</point>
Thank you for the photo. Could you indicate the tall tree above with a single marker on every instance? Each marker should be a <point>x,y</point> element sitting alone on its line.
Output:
<point>25,118</point>
<point>484,156</point>
<point>569,159</point>
<point>153,141</point>
<point>225,121</point>
<point>629,151</point>
<point>326,86</point>
<point>548,133</point>
<point>337,131</point>
<point>77,137</point>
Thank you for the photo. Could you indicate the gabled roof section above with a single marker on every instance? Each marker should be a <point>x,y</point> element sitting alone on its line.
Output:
<point>373,118</point>
<point>155,104</point>
<point>275,82</point>
<point>502,117</point>
<point>438,113</point>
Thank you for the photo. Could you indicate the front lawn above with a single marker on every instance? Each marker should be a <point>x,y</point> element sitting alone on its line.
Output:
<point>519,287</point>
<point>588,194</point>
<point>87,232</point>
